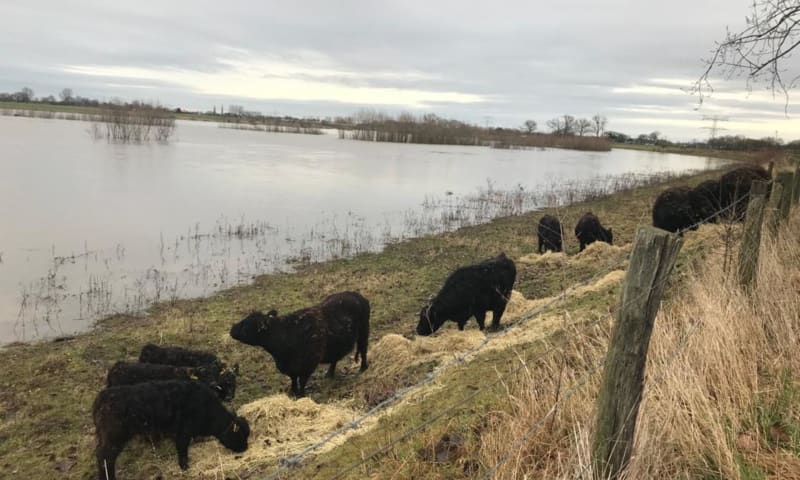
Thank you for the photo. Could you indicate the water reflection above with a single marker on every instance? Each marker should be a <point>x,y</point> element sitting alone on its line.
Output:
<point>88,228</point>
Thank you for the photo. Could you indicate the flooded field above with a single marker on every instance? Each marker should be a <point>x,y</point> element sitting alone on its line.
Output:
<point>89,228</point>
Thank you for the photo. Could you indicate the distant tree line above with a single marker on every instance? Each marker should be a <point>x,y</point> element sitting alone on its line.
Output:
<point>65,97</point>
<point>429,128</point>
<point>725,142</point>
<point>568,125</point>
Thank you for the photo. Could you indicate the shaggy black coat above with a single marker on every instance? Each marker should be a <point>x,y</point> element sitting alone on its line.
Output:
<point>673,211</point>
<point>178,356</point>
<point>706,201</point>
<point>301,340</point>
<point>471,291</point>
<point>549,231</point>
<point>589,230</point>
<point>175,409</point>
<point>735,189</point>
<point>130,373</point>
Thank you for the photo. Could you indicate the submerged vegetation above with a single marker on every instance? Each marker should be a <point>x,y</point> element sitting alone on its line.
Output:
<point>92,284</point>
<point>135,122</point>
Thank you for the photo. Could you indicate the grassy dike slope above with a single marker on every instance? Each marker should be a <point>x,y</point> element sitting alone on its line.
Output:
<point>47,389</point>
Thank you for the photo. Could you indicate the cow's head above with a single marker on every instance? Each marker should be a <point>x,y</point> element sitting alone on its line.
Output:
<point>235,435</point>
<point>428,320</point>
<point>226,386</point>
<point>254,328</point>
<point>608,236</point>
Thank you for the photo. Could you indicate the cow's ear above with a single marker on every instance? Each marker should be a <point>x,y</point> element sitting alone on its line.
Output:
<point>272,313</point>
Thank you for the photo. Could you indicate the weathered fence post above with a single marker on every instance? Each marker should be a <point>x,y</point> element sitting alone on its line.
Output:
<point>654,254</point>
<point>796,182</point>
<point>751,237</point>
<point>773,207</point>
<point>785,178</point>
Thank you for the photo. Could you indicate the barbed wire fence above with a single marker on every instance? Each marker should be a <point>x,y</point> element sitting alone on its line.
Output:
<point>295,460</point>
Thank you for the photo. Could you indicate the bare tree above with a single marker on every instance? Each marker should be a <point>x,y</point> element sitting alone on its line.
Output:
<point>24,95</point>
<point>583,126</point>
<point>65,95</point>
<point>569,125</point>
<point>600,122</point>
<point>556,126</point>
<point>760,50</point>
<point>529,126</point>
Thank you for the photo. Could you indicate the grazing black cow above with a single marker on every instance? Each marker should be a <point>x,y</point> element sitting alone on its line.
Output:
<point>471,291</point>
<point>589,230</point>
<point>182,357</point>
<point>735,189</point>
<point>301,340</point>
<point>673,212</point>
<point>177,409</point>
<point>130,373</point>
<point>549,231</point>
<point>706,201</point>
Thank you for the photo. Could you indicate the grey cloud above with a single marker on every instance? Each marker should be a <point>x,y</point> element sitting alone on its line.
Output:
<point>526,59</point>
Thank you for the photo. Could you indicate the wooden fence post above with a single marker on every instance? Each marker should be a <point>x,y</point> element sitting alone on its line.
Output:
<point>654,254</point>
<point>773,207</point>
<point>751,238</point>
<point>796,182</point>
<point>786,179</point>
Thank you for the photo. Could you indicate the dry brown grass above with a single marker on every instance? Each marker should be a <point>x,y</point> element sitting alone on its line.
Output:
<point>721,394</point>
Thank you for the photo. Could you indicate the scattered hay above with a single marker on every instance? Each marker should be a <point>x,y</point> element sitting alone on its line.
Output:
<point>599,251</point>
<point>518,305</point>
<point>396,351</point>
<point>547,259</point>
<point>279,426</point>
<point>610,280</point>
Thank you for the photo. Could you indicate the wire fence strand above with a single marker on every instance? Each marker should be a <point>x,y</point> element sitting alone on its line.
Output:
<point>295,460</point>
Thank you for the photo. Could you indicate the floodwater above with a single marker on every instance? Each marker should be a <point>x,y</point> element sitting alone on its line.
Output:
<point>89,228</point>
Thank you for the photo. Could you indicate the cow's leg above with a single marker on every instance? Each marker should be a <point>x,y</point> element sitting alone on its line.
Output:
<point>303,381</point>
<point>481,318</point>
<point>182,447</point>
<point>497,314</point>
<point>294,389</point>
<point>106,460</point>
<point>361,347</point>
<point>332,370</point>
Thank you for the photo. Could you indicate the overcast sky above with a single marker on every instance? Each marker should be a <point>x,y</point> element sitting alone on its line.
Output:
<point>489,62</point>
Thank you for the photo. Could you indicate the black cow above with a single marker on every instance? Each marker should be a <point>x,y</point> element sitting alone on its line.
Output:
<point>471,291</point>
<point>735,188</point>
<point>177,409</point>
<point>673,212</point>
<point>130,373</point>
<point>589,230</point>
<point>706,201</point>
<point>549,231</point>
<point>301,340</point>
<point>182,357</point>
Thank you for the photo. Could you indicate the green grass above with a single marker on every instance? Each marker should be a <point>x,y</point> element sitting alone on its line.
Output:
<point>48,388</point>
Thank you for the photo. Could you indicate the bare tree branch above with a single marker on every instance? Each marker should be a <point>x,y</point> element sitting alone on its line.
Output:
<point>759,51</point>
